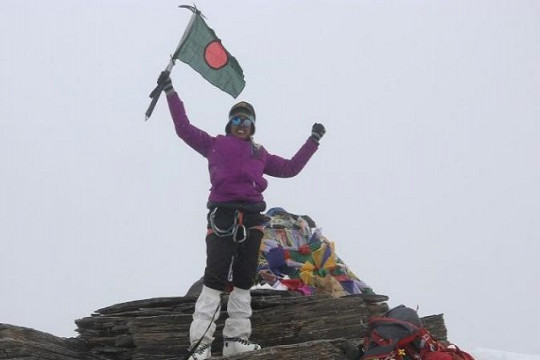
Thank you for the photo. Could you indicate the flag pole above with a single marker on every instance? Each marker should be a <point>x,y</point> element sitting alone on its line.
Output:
<point>155,94</point>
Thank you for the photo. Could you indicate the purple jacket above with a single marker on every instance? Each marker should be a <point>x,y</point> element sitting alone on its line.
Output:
<point>236,166</point>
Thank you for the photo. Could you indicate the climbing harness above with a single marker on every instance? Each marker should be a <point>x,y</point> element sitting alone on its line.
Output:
<point>236,227</point>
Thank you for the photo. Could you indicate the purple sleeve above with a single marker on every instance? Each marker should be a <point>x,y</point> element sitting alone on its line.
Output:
<point>283,168</point>
<point>196,138</point>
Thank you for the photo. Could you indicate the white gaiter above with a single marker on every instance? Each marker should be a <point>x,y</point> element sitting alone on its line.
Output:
<point>205,307</point>
<point>239,309</point>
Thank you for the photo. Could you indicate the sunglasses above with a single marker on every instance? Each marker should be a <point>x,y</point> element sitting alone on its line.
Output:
<point>241,121</point>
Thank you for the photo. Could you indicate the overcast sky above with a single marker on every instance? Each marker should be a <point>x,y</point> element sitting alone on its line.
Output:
<point>427,179</point>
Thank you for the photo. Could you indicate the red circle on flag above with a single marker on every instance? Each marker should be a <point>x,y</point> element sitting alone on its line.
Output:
<point>215,55</point>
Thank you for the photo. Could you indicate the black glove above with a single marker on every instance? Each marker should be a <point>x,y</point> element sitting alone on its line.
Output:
<point>165,81</point>
<point>317,132</point>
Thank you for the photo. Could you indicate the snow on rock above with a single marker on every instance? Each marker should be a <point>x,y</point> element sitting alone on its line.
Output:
<point>488,354</point>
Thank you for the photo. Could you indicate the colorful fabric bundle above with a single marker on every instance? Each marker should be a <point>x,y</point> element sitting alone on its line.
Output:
<point>296,256</point>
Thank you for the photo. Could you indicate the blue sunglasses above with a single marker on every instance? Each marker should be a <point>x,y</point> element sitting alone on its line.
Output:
<point>241,121</point>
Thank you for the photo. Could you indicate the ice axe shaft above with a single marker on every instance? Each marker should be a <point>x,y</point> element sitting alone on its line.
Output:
<point>156,93</point>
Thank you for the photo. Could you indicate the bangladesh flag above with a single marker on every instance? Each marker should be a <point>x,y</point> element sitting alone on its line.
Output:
<point>201,49</point>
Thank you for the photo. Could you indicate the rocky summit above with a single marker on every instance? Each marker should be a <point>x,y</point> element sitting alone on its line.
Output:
<point>288,325</point>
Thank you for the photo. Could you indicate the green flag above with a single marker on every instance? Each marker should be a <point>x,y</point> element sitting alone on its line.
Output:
<point>201,49</point>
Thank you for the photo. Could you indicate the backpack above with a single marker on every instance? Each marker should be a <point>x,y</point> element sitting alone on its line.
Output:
<point>400,335</point>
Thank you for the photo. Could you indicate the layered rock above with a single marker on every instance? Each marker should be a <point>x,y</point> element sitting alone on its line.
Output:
<point>286,324</point>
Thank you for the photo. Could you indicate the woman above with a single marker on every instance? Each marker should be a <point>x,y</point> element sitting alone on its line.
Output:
<point>236,165</point>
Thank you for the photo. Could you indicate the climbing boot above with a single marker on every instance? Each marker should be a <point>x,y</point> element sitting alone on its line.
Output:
<point>201,352</point>
<point>233,346</point>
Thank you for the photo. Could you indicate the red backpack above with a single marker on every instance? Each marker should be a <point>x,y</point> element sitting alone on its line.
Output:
<point>399,334</point>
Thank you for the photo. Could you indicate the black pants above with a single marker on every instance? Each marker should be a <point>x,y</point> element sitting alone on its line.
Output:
<point>222,250</point>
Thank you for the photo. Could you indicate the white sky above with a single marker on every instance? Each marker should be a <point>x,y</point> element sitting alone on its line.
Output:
<point>427,179</point>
